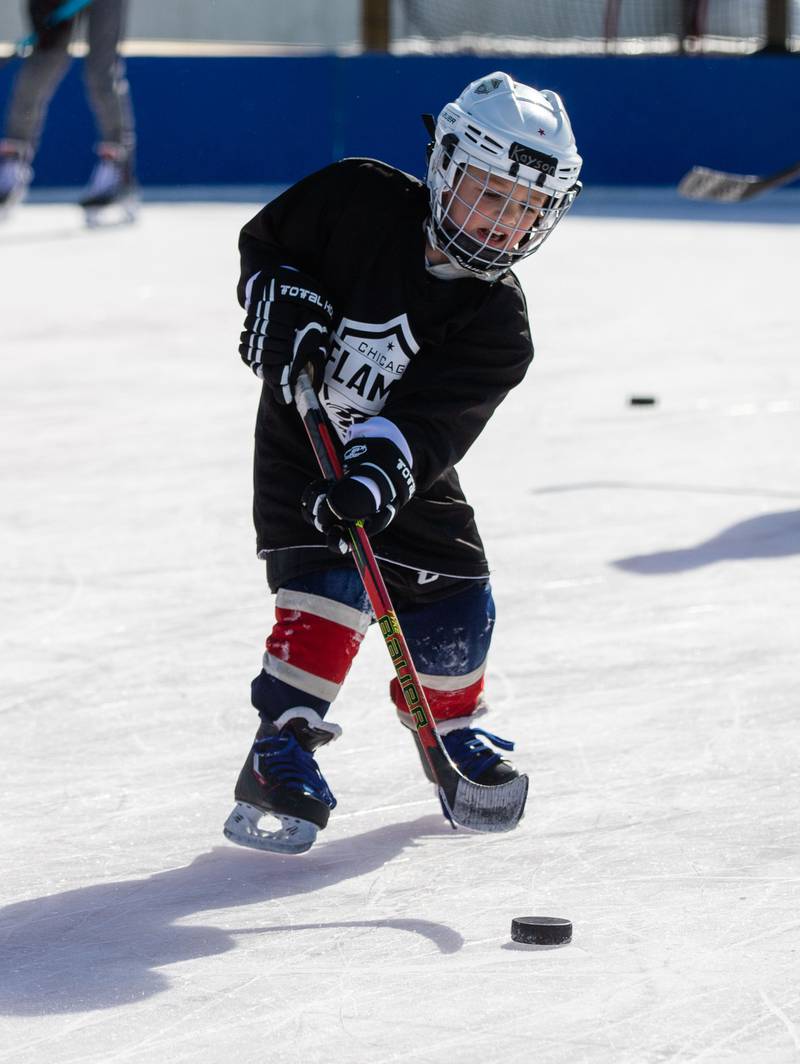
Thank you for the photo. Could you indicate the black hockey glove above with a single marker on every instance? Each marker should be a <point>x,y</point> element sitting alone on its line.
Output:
<point>376,482</point>
<point>287,326</point>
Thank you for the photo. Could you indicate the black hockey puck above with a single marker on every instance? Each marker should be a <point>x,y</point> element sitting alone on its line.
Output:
<point>642,400</point>
<point>541,930</point>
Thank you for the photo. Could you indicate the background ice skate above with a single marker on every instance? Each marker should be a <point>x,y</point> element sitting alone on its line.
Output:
<point>646,569</point>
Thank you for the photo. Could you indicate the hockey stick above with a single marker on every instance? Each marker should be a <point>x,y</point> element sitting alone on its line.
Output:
<point>62,13</point>
<point>470,805</point>
<point>703,184</point>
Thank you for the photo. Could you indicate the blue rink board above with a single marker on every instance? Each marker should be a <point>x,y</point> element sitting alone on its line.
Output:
<point>269,120</point>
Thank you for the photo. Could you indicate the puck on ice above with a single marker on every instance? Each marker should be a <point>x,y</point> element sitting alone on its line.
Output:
<point>642,400</point>
<point>541,930</point>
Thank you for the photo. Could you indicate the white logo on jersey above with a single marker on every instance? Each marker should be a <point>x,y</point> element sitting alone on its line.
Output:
<point>426,578</point>
<point>364,361</point>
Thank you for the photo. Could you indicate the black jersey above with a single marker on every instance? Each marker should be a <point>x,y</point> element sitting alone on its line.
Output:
<point>434,356</point>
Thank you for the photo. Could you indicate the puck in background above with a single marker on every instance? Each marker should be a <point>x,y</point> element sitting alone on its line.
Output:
<point>541,930</point>
<point>642,400</point>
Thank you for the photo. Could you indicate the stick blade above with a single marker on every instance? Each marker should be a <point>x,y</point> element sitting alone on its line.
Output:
<point>701,183</point>
<point>485,809</point>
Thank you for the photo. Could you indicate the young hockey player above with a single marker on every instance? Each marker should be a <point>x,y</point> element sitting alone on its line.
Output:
<point>399,295</point>
<point>112,183</point>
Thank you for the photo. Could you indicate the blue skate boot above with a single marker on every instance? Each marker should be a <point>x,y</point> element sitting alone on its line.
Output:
<point>280,777</point>
<point>476,760</point>
<point>469,753</point>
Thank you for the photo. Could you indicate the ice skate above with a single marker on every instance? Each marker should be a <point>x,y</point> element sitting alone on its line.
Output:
<point>281,778</point>
<point>473,757</point>
<point>485,793</point>
<point>112,195</point>
<point>15,174</point>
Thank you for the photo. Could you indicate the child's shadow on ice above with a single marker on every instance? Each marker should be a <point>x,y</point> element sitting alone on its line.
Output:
<point>766,536</point>
<point>97,947</point>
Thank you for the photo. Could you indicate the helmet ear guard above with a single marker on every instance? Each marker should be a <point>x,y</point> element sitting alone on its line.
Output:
<point>449,145</point>
<point>449,140</point>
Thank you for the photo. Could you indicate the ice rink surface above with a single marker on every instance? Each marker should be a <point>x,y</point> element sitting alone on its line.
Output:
<point>646,570</point>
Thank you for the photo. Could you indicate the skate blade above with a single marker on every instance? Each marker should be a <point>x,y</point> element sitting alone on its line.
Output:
<point>295,835</point>
<point>486,809</point>
<point>124,212</point>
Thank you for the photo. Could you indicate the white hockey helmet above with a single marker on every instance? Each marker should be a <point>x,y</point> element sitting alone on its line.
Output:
<point>503,171</point>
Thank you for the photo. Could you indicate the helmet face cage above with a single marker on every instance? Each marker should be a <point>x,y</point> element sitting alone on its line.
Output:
<point>505,214</point>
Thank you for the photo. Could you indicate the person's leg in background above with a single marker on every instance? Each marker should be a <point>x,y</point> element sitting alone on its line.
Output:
<point>108,91</point>
<point>39,77</point>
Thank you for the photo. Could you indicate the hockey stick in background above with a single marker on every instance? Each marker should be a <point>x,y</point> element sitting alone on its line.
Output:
<point>701,183</point>
<point>470,805</point>
<point>62,13</point>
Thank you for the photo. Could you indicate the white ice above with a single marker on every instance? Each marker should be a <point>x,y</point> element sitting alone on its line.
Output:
<point>646,569</point>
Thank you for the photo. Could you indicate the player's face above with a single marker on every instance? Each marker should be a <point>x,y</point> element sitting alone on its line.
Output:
<point>494,211</point>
